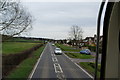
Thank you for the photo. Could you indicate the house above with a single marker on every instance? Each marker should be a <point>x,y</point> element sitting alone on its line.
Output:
<point>92,41</point>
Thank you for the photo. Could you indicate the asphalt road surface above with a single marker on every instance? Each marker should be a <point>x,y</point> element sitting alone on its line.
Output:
<point>51,66</point>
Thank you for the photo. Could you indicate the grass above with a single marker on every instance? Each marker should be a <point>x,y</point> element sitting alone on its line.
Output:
<point>90,67</point>
<point>67,48</point>
<point>74,55</point>
<point>15,47</point>
<point>78,55</point>
<point>24,69</point>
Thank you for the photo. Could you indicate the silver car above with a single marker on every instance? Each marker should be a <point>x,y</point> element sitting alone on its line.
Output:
<point>58,51</point>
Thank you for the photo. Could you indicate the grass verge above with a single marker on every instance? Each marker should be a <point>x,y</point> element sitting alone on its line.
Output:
<point>90,67</point>
<point>15,47</point>
<point>74,55</point>
<point>80,56</point>
<point>67,48</point>
<point>24,69</point>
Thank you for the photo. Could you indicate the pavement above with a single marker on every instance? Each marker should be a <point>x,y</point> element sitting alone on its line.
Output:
<point>51,66</point>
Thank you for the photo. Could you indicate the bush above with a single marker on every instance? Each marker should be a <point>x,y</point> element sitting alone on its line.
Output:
<point>12,60</point>
<point>92,48</point>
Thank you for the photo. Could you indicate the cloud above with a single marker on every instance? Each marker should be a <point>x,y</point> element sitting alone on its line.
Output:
<point>55,18</point>
<point>60,0</point>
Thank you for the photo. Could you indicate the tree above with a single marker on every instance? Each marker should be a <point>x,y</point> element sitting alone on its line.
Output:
<point>14,20</point>
<point>75,34</point>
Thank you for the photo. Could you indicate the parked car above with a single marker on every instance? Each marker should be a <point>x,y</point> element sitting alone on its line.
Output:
<point>86,51</point>
<point>58,51</point>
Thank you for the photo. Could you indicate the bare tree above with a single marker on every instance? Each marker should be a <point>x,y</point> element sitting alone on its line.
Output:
<point>76,34</point>
<point>13,18</point>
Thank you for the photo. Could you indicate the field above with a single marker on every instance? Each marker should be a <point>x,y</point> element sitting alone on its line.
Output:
<point>24,68</point>
<point>15,47</point>
<point>19,46</point>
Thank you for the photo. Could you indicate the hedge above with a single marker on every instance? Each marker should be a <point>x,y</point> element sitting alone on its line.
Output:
<point>12,60</point>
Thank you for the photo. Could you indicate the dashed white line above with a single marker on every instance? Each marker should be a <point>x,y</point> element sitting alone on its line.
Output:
<point>52,55</point>
<point>57,68</point>
<point>60,76</point>
<point>51,49</point>
<point>54,59</point>
<point>60,68</point>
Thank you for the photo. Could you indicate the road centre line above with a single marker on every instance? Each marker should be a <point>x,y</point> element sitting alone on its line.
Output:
<point>76,65</point>
<point>60,76</point>
<point>51,49</point>
<point>54,59</point>
<point>58,68</point>
<point>55,68</point>
<point>52,55</point>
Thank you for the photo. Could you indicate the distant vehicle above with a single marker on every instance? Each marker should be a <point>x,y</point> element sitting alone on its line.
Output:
<point>58,51</point>
<point>86,51</point>
<point>53,44</point>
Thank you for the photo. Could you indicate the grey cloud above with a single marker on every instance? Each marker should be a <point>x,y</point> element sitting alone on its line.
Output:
<point>59,17</point>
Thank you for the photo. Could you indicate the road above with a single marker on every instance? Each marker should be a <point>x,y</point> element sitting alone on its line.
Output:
<point>60,67</point>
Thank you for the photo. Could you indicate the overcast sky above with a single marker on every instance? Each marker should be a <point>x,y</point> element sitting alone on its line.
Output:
<point>54,19</point>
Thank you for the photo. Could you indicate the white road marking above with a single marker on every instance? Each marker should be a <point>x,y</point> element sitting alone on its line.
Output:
<point>60,76</point>
<point>60,68</point>
<point>57,68</point>
<point>31,75</point>
<point>80,67</point>
<point>51,49</point>
<point>54,55</point>
<point>51,54</point>
<point>54,59</point>
<point>84,70</point>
